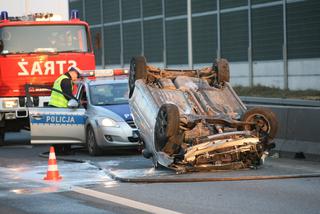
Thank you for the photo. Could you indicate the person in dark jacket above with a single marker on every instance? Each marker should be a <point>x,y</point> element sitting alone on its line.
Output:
<point>64,83</point>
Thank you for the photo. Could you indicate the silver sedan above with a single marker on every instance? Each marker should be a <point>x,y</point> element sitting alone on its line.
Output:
<point>109,121</point>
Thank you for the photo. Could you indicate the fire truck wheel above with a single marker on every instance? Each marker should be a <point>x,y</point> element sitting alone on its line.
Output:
<point>221,66</point>
<point>2,135</point>
<point>265,122</point>
<point>92,146</point>
<point>137,71</point>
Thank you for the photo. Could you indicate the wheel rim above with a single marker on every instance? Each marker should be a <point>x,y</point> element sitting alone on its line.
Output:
<point>91,140</point>
<point>161,130</point>
<point>163,116</point>
<point>261,123</point>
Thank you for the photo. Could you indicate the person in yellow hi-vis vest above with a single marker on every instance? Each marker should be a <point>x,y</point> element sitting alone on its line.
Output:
<point>64,83</point>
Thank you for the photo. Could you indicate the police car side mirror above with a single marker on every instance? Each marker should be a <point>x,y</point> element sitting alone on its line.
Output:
<point>73,103</point>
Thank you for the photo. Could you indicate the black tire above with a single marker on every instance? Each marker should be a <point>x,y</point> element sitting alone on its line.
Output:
<point>169,115</point>
<point>2,136</point>
<point>266,123</point>
<point>92,145</point>
<point>221,66</point>
<point>167,124</point>
<point>137,71</point>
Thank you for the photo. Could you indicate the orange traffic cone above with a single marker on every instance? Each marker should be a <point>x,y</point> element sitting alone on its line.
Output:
<point>52,173</point>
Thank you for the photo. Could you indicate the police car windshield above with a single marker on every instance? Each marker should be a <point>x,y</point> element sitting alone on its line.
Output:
<point>109,94</point>
<point>44,38</point>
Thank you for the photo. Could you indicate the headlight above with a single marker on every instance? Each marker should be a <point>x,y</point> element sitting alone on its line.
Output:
<point>109,122</point>
<point>10,103</point>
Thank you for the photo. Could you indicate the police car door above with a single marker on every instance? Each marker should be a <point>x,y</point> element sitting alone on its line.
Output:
<point>51,125</point>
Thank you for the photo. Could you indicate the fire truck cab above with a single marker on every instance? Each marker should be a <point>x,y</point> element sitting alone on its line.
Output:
<point>37,49</point>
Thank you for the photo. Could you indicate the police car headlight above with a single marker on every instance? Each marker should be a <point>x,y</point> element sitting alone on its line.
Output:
<point>109,123</point>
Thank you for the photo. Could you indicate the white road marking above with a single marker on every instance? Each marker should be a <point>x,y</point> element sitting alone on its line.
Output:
<point>122,201</point>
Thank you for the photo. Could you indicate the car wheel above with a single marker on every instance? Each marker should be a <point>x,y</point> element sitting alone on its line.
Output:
<point>2,135</point>
<point>265,122</point>
<point>221,66</point>
<point>167,124</point>
<point>137,71</point>
<point>169,119</point>
<point>167,137</point>
<point>92,146</point>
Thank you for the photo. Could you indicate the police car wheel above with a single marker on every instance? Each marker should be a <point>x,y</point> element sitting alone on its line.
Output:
<point>92,146</point>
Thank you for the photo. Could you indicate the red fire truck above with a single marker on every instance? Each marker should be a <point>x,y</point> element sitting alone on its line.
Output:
<point>36,49</point>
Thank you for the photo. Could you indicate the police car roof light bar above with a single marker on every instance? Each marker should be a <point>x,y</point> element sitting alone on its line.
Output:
<point>87,73</point>
<point>104,73</point>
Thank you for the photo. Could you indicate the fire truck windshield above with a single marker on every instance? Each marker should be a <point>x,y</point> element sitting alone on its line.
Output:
<point>44,38</point>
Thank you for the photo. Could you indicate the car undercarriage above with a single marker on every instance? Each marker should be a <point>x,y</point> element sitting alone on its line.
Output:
<point>197,121</point>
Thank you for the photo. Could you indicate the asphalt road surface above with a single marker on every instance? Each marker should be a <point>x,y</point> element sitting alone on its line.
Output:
<point>87,185</point>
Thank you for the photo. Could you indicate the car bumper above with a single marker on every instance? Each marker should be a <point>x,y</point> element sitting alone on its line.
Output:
<point>122,136</point>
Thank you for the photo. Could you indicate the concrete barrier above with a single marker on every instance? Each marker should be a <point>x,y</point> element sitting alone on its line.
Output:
<point>280,101</point>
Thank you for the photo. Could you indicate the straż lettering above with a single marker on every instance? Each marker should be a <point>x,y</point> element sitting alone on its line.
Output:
<point>44,68</point>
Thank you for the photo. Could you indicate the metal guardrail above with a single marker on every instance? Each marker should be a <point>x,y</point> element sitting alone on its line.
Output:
<point>280,101</point>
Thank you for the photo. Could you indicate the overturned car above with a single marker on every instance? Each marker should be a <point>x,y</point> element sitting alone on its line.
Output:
<point>192,120</point>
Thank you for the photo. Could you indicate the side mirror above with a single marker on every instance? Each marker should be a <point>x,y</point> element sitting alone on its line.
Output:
<point>1,46</point>
<point>73,103</point>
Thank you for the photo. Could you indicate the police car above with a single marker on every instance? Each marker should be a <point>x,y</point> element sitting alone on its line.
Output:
<point>99,118</point>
